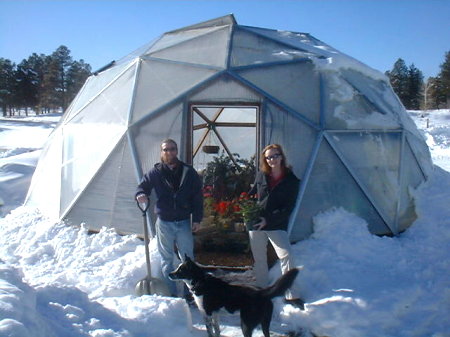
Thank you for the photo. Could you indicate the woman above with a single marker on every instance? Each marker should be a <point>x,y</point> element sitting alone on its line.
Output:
<point>277,188</point>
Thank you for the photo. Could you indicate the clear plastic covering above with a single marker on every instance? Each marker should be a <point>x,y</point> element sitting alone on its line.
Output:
<point>331,185</point>
<point>93,87</point>
<point>303,41</point>
<point>374,159</point>
<point>225,89</point>
<point>161,82</point>
<point>412,178</point>
<point>251,49</point>
<point>109,197</point>
<point>345,107</point>
<point>148,136</point>
<point>296,137</point>
<point>296,86</point>
<point>209,49</point>
<point>46,182</point>
<point>172,39</point>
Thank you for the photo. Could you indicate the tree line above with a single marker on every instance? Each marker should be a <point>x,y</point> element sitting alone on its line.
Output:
<point>48,83</point>
<point>44,83</point>
<point>417,94</point>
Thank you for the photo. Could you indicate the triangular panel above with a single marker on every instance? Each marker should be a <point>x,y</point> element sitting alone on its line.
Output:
<point>84,151</point>
<point>162,82</point>
<point>220,21</point>
<point>46,181</point>
<point>109,108</point>
<point>375,160</point>
<point>209,49</point>
<point>373,89</point>
<point>93,86</point>
<point>331,185</point>
<point>296,137</point>
<point>347,108</point>
<point>294,85</point>
<point>225,89</point>
<point>148,136</point>
<point>421,151</point>
<point>250,49</point>
<point>302,41</point>
<point>126,217</point>
<point>98,201</point>
<point>412,178</point>
<point>206,46</point>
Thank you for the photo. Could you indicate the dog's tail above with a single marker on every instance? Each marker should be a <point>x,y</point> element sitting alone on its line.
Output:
<point>281,285</point>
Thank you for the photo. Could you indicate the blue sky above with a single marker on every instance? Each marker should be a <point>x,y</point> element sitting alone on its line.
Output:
<point>376,32</point>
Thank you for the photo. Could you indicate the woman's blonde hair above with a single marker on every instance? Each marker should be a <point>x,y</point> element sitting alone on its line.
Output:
<point>263,166</point>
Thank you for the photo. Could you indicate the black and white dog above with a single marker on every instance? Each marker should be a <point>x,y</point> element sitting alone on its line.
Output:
<point>211,294</point>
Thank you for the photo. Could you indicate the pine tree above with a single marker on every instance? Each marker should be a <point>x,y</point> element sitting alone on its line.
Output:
<point>415,84</point>
<point>6,85</point>
<point>445,79</point>
<point>436,97</point>
<point>37,64</point>
<point>63,61</point>
<point>398,77</point>
<point>49,99</point>
<point>77,74</point>
<point>440,86</point>
<point>26,86</point>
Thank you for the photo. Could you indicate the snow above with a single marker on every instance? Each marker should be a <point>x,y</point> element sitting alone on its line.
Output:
<point>59,280</point>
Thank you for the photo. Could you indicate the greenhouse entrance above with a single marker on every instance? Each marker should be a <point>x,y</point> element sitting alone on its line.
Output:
<point>223,146</point>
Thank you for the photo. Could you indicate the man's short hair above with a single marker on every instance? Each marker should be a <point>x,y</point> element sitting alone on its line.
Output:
<point>169,141</point>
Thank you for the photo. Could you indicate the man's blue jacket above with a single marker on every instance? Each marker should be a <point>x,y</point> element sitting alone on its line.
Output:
<point>171,204</point>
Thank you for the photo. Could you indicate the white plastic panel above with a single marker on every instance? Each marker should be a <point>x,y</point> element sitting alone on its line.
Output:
<point>295,85</point>
<point>296,137</point>
<point>109,199</point>
<point>299,40</point>
<point>109,107</point>
<point>171,39</point>
<point>347,108</point>
<point>375,160</point>
<point>210,49</point>
<point>93,86</point>
<point>250,49</point>
<point>331,185</point>
<point>412,178</point>
<point>421,151</point>
<point>148,136</point>
<point>46,181</point>
<point>162,82</point>
<point>225,89</point>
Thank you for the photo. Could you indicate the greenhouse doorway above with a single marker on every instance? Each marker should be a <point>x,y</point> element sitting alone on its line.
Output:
<point>223,148</point>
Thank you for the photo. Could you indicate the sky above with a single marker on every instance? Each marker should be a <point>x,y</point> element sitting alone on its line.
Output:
<point>376,32</point>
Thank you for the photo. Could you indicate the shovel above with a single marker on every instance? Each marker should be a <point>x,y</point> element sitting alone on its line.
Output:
<point>149,285</point>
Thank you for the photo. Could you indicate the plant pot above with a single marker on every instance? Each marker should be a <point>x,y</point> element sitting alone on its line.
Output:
<point>250,223</point>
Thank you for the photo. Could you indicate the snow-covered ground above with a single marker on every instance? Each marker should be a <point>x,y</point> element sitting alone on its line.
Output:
<point>58,280</point>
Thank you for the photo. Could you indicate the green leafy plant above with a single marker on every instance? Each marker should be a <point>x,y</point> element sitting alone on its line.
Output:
<point>250,210</point>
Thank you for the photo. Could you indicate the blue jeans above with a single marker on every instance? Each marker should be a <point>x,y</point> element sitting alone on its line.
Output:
<point>169,233</point>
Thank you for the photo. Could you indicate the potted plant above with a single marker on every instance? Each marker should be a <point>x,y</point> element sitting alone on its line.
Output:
<point>249,210</point>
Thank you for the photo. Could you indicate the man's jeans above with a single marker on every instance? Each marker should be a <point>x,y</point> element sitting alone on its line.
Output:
<point>169,233</point>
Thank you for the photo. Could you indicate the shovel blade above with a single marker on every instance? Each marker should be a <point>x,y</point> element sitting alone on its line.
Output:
<point>152,286</point>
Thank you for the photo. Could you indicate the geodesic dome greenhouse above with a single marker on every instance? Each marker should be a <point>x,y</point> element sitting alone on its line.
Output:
<point>344,131</point>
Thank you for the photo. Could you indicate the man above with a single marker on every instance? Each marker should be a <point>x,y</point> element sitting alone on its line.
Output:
<point>179,196</point>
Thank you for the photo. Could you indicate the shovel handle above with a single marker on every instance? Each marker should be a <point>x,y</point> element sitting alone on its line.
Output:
<point>143,206</point>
